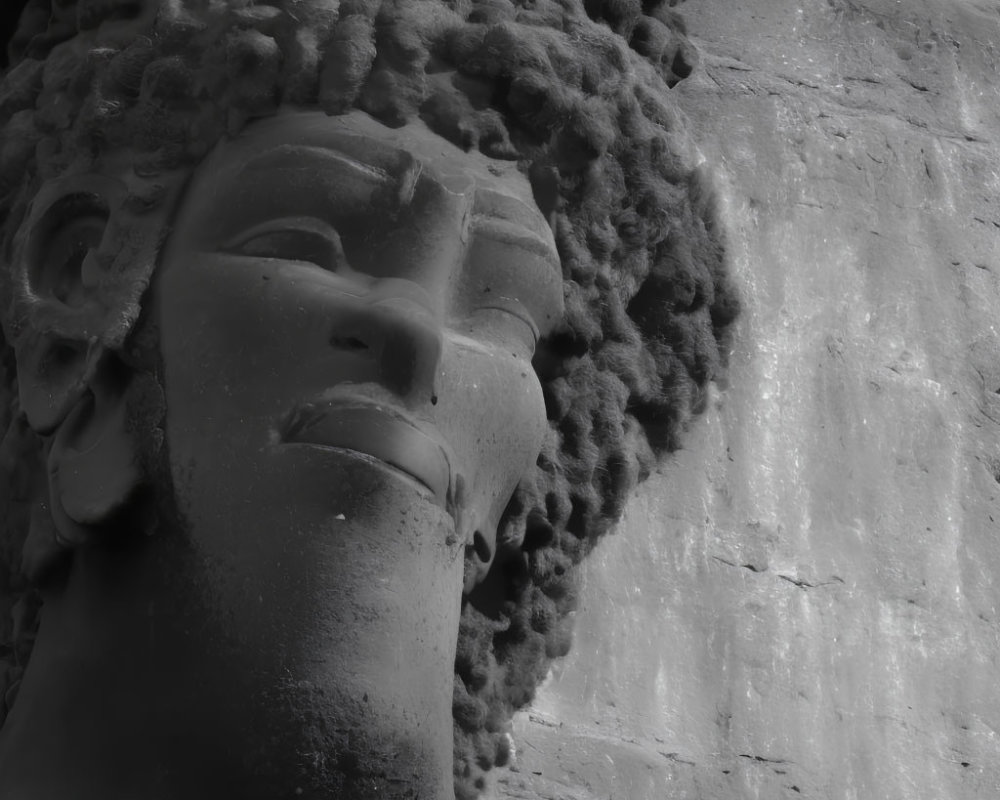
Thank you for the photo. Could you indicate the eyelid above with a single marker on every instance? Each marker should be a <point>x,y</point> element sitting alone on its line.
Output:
<point>307,225</point>
<point>515,308</point>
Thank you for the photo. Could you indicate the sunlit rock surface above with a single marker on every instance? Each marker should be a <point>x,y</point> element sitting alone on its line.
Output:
<point>804,602</point>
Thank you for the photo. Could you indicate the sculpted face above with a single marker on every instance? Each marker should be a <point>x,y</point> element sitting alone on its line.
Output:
<point>336,289</point>
<point>348,315</point>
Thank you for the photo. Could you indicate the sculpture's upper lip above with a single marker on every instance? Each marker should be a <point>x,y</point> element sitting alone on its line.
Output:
<point>376,429</point>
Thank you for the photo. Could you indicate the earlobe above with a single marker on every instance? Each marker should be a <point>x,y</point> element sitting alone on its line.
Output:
<point>92,463</point>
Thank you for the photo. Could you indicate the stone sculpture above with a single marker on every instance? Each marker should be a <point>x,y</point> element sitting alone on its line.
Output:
<point>336,334</point>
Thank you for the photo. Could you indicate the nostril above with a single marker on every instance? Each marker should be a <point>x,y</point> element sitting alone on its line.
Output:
<point>348,343</point>
<point>482,547</point>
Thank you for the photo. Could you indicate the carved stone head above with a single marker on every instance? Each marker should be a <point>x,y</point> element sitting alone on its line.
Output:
<point>337,334</point>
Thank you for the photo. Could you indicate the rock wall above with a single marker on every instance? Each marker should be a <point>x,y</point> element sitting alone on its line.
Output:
<point>803,603</point>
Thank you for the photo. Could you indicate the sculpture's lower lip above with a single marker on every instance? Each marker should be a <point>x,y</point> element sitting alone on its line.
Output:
<point>377,432</point>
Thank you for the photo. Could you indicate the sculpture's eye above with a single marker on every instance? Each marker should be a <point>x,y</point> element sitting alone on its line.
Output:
<point>292,239</point>
<point>508,322</point>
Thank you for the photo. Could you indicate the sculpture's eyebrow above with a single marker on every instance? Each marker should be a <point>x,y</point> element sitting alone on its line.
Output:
<point>507,219</point>
<point>354,169</point>
<point>517,235</point>
<point>299,156</point>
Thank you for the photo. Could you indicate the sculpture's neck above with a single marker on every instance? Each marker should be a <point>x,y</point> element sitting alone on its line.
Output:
<point>145,684</point>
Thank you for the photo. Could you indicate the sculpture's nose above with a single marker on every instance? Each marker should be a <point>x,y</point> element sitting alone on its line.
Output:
<point>400,333</point>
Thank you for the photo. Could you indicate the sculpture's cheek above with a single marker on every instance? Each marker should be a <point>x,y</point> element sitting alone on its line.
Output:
<point>490,409</point>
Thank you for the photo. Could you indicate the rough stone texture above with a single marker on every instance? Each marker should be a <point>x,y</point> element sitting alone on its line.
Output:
<point>804,602</point>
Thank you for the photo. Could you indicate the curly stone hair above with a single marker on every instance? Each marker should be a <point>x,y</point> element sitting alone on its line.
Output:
<point>575,91</point>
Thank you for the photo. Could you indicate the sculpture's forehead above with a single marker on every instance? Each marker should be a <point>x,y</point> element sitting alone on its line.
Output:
<point>295,140</point>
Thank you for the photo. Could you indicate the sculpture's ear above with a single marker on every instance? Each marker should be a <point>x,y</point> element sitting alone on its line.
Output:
<point>58,269</point>
<point>70,386</point>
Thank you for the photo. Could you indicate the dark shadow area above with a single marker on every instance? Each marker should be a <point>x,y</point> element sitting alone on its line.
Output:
<point>10,12</point>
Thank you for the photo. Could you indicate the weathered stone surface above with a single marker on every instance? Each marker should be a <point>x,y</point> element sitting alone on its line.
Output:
<point>804,602</point>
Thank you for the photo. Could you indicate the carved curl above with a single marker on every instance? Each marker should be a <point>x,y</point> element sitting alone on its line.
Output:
<point>576,91</point>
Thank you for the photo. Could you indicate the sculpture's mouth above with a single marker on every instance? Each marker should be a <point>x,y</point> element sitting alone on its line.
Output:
<point>374,431</point>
